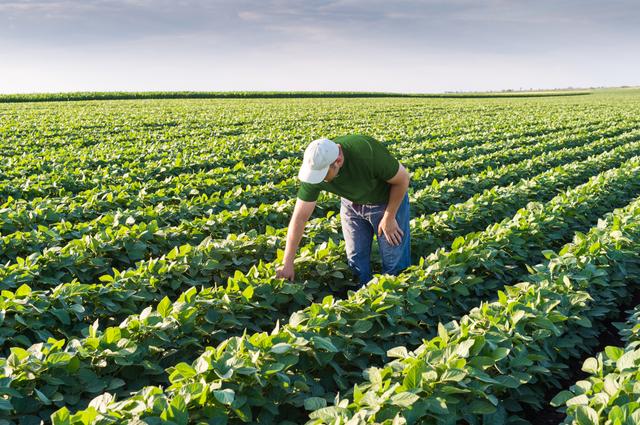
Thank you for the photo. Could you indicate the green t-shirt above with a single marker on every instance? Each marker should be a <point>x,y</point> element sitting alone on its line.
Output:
<point>362,178</point>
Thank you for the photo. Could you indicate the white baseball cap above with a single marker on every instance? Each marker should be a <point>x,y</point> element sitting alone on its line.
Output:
<point>317,158</point>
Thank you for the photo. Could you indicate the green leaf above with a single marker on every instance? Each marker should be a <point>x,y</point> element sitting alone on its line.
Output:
<point>499,417</point>
<point>561,398</point>
<point>112,335</point>
<point>23,291</point>
<point>584,322</point>
<point>457,243</point>
<point>594,247</point>
<point>500,353</point>
<point>115,383</point>
<point>362,326</point>
<point>578,400</point>
<point>43,398</point>
<point>248,292</point>
<point>613,353</point>
<point>548,254</point>
<point>502,297</point>
<point>19,353</point>
<point>634,418</point>
<point>62,315</point>
<point>314,403</point>
<point>296,318</point>
<point>404,399</point>
<point>590,365</point>
<point>398,353</point>
<point>61,417</point>
<point>517,316</point>
<point>60,357</point>
<point>281,348</point>
<point>442,333</point>
<point>101,401</point>
<point>455,375</point>
<point>493,399</point>
<point>163,307</point>
<point>627,360</point>
<point>273,368</point>
<point>585,415</point>
<point>616,413</point>
<point>185,370</point>
<point>201,365</point>
<point>323,344</point>
<point>327,414</point>
<point>481,407</point>
<point>173,254</point>
<point>611,386</point>
<point>463,347</point>
<point>413,375</point>
<point>225,396</point>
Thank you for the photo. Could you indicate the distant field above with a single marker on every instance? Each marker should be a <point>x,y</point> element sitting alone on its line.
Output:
<point>139,239</point>
<point>52,97</point>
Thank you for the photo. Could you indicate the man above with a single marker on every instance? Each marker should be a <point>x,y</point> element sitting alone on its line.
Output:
<point>373,186</point>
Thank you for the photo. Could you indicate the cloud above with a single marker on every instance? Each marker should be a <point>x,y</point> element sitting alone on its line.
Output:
<point>457,23</point>
<point>409,39</point>
<point>247,15</point>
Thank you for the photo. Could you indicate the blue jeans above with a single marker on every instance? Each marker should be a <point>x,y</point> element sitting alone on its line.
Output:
<point>359,224</point>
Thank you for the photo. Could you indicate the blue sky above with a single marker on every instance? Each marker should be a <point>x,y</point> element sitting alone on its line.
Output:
<point>392,45</point>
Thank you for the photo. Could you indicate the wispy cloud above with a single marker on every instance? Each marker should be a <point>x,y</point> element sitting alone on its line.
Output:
<point>421,40</point>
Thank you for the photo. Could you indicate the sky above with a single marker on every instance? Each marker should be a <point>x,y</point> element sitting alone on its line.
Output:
<point>410,46</point>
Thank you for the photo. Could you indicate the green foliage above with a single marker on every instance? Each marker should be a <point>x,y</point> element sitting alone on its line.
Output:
<point>321,351</point>
<point>115,95</point>
<point>500,356</point>
<point>610,393</point>
<point>139,239</point>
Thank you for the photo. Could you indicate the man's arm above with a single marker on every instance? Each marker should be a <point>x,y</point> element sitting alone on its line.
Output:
<point>388,225</point>
<point>301,213</point>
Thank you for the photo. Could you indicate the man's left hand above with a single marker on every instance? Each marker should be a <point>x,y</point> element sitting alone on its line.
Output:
<point>393,233</point>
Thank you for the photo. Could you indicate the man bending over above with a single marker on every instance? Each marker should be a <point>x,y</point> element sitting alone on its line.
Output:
<point>373,187</point>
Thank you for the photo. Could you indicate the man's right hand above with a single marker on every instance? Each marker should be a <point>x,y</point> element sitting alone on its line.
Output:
<point>286,272</point>
<point>301,213</point>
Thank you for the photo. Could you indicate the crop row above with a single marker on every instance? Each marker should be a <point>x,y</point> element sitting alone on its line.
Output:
<point>504,355</point>
<point>325,346</point>
<point>240,170</point>
<point>67,309</point>
<point>125,150</point>
<point>208,178</point>
<point>609,394</point>
<point>89,257</point>
<point>324,373</point>
<point>119,139</point>
<point>214,168</point>
<point>215,225</point>
<point>18,215</point>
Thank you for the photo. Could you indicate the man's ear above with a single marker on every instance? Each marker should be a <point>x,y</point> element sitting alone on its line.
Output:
<point>340,158</point>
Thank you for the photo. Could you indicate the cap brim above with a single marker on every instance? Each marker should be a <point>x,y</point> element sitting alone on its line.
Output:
<point>308,175</point>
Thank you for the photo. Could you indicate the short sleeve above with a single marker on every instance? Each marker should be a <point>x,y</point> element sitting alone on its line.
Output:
<point>308,192</point>
<point>385,166</point>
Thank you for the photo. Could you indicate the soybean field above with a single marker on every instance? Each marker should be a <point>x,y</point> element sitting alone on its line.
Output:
<point>139,240</point>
